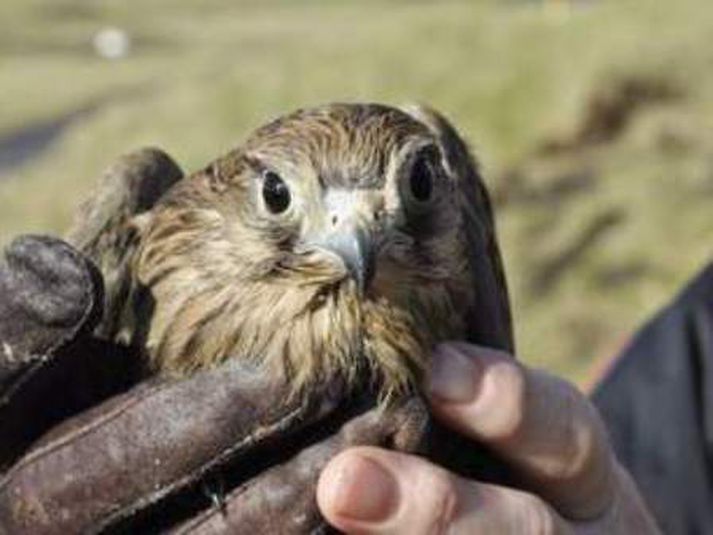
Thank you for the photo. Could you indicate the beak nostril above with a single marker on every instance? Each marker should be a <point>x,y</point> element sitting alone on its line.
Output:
<point>334,219</point>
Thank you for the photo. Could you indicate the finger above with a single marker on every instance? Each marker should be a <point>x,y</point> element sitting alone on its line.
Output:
<point>369,490</point>
<point>540,424</point>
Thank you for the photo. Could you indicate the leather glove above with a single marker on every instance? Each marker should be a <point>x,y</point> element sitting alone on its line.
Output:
<point>50,299</point>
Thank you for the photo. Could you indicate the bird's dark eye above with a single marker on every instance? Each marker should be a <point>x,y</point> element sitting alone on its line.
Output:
<point>275,193</point>
<point>421,181</point>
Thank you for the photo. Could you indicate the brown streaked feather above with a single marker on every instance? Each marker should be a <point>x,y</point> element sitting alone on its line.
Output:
<point>218,280</point>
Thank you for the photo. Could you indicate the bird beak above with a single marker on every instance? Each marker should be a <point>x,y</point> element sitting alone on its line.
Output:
<point>355,246</point>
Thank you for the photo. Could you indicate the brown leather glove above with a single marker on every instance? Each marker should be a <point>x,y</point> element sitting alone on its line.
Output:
<point>221,451</point>
<point>50,299</point>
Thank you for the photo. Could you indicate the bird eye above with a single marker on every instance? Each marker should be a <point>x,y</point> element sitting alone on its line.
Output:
<point>421,181</point>
<point>275,193</point>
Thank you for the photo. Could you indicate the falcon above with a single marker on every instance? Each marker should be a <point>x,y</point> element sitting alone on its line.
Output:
<point>342,240</point>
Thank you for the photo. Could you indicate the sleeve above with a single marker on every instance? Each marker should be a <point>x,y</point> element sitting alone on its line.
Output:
<point>657,402</point>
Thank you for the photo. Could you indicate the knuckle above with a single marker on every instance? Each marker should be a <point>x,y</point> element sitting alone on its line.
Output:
<point>510,385</point>
<point>582,454</point>
<point>583,440</point>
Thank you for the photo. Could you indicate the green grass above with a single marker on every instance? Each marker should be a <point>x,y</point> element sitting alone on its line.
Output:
<point>510,74</point>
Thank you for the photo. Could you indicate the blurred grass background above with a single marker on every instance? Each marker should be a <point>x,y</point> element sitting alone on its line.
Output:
<point>592,120</point>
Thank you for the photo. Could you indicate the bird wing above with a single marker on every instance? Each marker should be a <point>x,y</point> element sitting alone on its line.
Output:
<point>103,229</point>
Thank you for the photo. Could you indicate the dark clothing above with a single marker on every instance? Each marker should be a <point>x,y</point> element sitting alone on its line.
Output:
<point>658,404</point>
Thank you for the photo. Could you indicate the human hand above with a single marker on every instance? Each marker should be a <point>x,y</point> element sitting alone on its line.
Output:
<point>542,426</point>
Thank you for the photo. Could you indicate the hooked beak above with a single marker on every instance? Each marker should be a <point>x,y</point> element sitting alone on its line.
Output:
<point>355,246</point>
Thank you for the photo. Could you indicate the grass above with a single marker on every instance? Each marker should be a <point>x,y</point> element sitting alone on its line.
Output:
<point>512,75</point>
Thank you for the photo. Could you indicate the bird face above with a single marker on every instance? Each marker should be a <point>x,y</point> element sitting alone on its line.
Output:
<point>330,243</point>
<point>354,195</point>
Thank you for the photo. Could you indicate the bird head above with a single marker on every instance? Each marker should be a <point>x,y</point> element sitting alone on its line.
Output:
<point>330,242</point>
<point>361,189</point>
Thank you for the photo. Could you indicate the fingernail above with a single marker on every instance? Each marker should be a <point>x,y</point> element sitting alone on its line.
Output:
<point>453,376</point>
<point>364,491</point>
